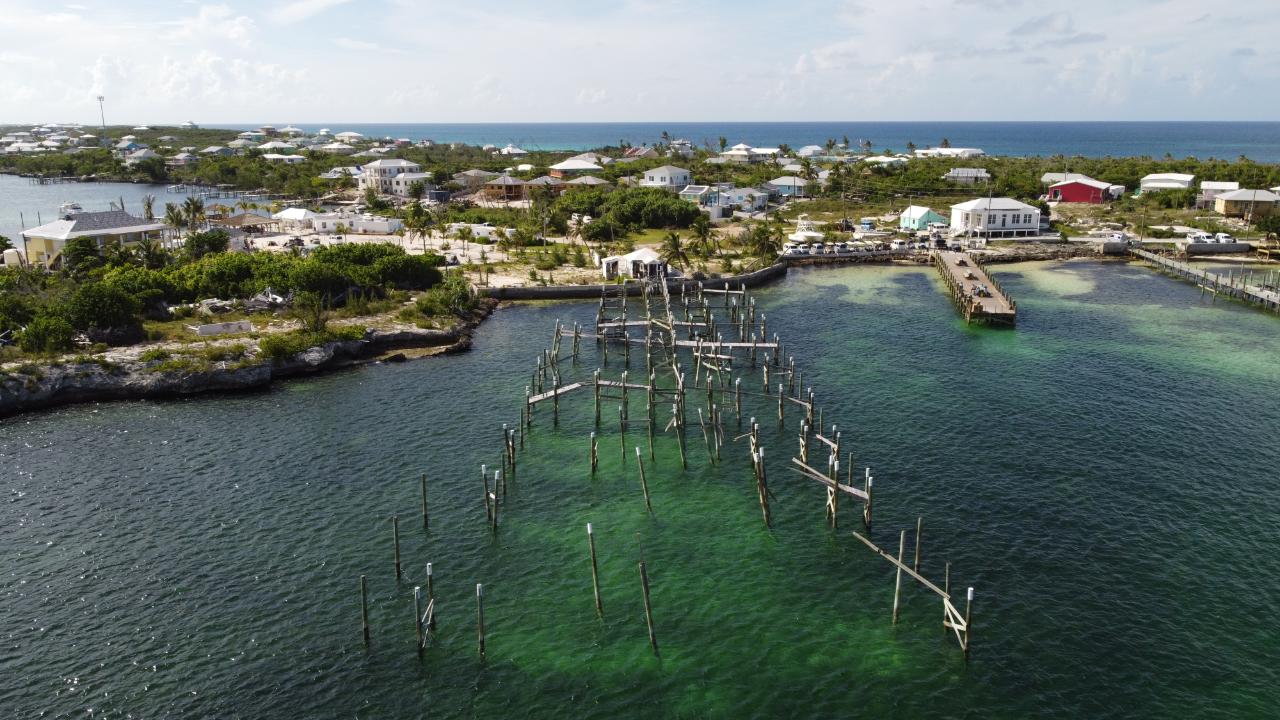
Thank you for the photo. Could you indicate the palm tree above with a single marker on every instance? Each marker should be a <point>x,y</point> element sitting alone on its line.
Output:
<point>173,216</point>
<point>723,142</point>
<point>702,239</point>
<point>151,254</point>
<point>193,211</point>
<point>148,205</point>
<point>672,250</point>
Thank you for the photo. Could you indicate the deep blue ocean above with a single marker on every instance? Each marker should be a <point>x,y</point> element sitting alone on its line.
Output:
<point>1225,140</point>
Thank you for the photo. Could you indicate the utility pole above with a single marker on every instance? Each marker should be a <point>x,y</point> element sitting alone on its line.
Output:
<point>103,116</point>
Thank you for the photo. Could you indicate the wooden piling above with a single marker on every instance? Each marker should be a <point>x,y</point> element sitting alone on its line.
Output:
<point>648,609</point>
<point>968,621</point>
<point>431,596</point>
<point>417,616</point>
<point>919,524</point>
<point>484,477</point>
<point>595,457</point>
<point>897,584</point>
<point>395,535</point>
<point>364,608</point>
<point>426,521</point>
<point>644,484</point>
<point>480,617</point>
<point>595,573</point>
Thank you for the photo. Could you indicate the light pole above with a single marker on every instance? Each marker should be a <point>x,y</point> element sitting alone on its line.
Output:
<point>103,116</point>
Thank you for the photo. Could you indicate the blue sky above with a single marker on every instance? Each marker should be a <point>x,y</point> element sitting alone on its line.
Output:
<point>284,61</point>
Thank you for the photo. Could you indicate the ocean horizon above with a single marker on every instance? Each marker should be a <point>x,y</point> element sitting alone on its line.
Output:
<point>1256,140</point>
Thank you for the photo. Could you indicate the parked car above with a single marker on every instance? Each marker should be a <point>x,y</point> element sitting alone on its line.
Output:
<point>1223,238</point>
<point>817,248</point>
<point>1199,237</point>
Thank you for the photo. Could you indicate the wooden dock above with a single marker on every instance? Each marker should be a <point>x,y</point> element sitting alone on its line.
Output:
<point>1239,286</point>
<point>976,295</point>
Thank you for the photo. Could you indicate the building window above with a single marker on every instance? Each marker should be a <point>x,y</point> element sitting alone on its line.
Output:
<point>991,219</point>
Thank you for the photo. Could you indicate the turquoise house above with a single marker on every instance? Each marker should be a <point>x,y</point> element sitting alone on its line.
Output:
<point>916,218</point>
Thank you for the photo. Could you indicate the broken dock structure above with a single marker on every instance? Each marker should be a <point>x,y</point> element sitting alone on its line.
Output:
<point>977,295</point>
<point>1262,291</point>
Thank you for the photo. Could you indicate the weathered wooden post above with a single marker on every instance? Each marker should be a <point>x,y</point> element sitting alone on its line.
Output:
<point>781,416</point>
<point>648,609</point>
<point>897,584</point>
<point>866,507</point>
<point>919,525</point>
<point>395,536</point>
<point>595,458</point>
<point>480,616</point>
<point>364,608</point>
<point>968,621</point>
<point>644,484</point>
<point>595,574</point>
<point>431,596</point>
<point>417,615</point>
<point>946,589</point>
<point>426,521</point>
<point>484,477</point>
<point>737,400</point>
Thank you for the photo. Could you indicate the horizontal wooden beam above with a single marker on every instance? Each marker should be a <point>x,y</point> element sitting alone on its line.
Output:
<point>903,567</point>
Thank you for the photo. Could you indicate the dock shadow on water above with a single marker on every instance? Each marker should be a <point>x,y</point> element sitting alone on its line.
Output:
<point>202,558</point>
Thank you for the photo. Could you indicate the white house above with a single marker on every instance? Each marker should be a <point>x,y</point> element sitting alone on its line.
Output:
<point>950,152</point>
<point>283,159</point>
<point>809,151</point>
<point>642,263</point>
<point>1210,189</point>
<point>356,223</point>
<point>995,217</point>
<point>392,176</point>
<point>337,148</point>
<point>1166,181</point>
<point>668,177</point>
<point>513,150</point>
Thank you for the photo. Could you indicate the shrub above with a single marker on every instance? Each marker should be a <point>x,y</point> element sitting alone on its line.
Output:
<point>47,334</point>
<point>282,346</point>
<point>102,305</point>
<point>15,312</point>
<point>411,272</point>
<point>453,296</point>
<point>209,242</point>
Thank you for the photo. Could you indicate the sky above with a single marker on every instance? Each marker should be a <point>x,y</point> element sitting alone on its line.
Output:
<point>301,61</point>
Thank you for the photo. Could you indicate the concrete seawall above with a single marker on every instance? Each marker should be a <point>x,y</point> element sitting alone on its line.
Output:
<point>589,292</point>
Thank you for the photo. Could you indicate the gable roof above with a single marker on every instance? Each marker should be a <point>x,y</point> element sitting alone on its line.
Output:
<point>1250,196</point>
<point>506,180</point>
<point>1082,180</point>
<point>668,169</point>
<point>588,180</point>
<point>93,223</point>
<point>574,164</point>
<point>994,204</point>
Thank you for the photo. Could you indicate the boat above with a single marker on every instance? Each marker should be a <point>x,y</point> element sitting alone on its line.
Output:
<point>69,207</point>
<point>806,231</point>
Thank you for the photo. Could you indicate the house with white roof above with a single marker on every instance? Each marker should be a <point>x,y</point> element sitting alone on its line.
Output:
<point>810,151</point>
<point>949,152</point>
<point>392,176</point>
<point>995,217</point>
<point>967,176</point>
<point>667,177</point>
<point>44,244</point>
<point>1210,189</point>
<point>573,166</point>
<point>283,159</point>
<point>340,172</point>
<point>138,156</point>
<point>513,151</point>
<point>337,148</point>
<point>642,263</point>
<point>1165,181</point>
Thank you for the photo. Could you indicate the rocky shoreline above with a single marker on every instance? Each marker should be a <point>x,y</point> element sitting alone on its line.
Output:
<point>94,380</point>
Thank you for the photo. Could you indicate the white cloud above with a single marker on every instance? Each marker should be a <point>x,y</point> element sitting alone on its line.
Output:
<point>351,44</point>
<point>300,10</point>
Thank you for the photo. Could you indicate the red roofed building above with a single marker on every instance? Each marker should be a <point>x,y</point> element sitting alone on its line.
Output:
<point>1084,190</point>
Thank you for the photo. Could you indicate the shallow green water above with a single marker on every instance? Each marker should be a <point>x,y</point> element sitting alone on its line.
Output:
<point>1106,477</point>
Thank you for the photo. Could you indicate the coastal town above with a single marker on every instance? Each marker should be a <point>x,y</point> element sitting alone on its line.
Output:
<point>639,360</point>
<point>509,223</point>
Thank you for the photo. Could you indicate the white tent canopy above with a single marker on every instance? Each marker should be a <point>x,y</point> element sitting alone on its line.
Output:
<point>294,215</point>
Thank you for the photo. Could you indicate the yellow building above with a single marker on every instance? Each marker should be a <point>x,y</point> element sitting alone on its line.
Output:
<point>1246,203</point>
<point>44,244</point>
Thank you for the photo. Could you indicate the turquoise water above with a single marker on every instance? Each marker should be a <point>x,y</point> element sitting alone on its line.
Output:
<point>1105,476</point>
<point>1225,140</point>
<point>24,204</point>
